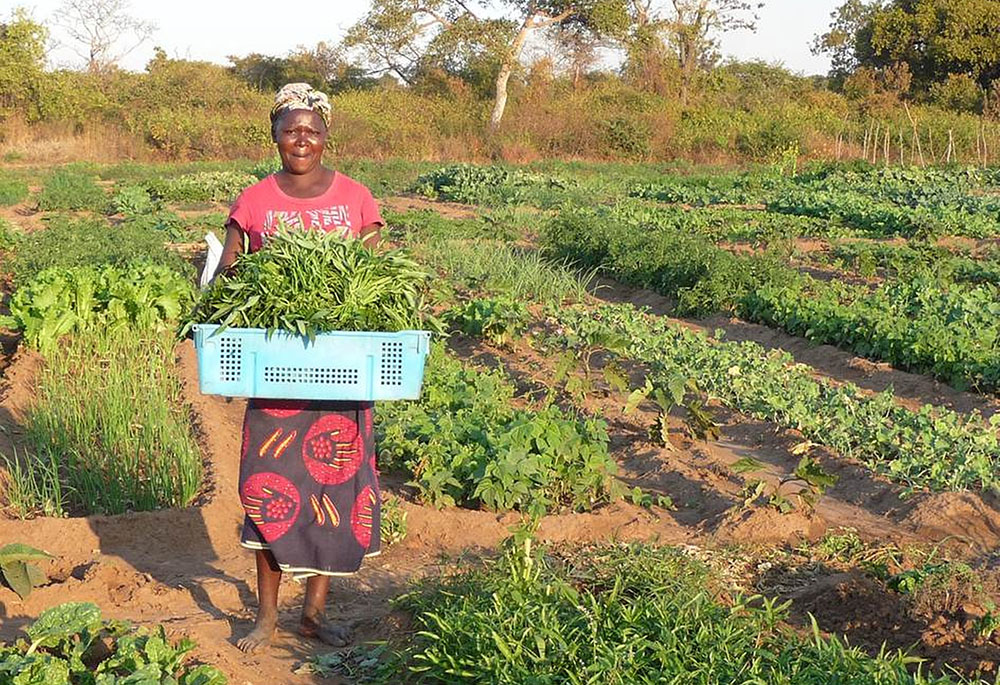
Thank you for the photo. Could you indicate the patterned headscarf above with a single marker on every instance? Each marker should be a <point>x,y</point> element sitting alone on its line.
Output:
<point>300,96</point>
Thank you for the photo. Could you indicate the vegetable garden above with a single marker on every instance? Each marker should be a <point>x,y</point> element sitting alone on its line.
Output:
<point>625,465</point>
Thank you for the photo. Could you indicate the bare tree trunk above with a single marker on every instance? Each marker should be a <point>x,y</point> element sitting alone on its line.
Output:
<point>503,77</point>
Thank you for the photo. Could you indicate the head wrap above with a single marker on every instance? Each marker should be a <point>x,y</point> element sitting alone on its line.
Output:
<point>300,96</point>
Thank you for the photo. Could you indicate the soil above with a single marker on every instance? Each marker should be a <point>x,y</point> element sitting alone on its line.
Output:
<point>411,203</point>
<point>184,568</point>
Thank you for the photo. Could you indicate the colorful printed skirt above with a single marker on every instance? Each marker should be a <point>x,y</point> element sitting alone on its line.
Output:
<point>309,484</point>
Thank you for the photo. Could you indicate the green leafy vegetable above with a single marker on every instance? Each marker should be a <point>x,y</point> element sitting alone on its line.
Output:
<point>309,282</point>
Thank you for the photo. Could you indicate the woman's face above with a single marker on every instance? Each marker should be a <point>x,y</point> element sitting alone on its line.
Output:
<point>301,137</point>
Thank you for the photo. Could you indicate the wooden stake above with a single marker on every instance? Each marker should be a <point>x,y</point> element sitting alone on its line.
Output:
<point>916,133</point>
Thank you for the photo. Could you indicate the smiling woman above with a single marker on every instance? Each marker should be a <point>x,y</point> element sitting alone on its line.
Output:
<point>308,481</point>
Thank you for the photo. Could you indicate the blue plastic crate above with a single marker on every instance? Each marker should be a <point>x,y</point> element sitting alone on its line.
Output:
<point>246,362</point>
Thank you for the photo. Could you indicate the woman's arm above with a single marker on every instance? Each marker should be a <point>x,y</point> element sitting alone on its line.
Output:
<point>370,235</point>
<point>232,248</point>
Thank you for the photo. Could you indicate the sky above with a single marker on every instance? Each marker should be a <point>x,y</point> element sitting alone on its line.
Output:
<point>214,29</point>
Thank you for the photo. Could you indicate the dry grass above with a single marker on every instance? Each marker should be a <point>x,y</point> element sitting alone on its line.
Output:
<point>59,143</point>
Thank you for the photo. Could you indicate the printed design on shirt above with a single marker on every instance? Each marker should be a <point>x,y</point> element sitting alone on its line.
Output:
<point>334,218</point>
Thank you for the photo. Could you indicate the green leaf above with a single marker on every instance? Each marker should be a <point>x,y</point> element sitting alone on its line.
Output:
<point>636,397</point>
<point>61,622</point>
<point>16,575</point>
<point>746,465</point>
<point>21,552</point>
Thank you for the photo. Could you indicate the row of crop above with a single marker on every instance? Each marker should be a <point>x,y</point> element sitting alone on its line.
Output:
<point>873,202</point>
<point>949,330</point>
<point>465,443</point>
<point>884,218</point>
<point>877,202</point>
<point>102,312</point>
<point>932,447</point>
<point>929,448</point>
<point>619,614</point>
<point>869,259</point>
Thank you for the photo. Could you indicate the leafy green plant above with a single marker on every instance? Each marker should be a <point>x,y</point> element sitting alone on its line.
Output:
<point>466,444</point>
<point>69,643</point>
<point>810,476</point>
<point>579,352</point>
<point>131,201</point>
<point>71,189</point>
<point>488,185</point>
<point>309,282</point>
<point>18,568</point>
<point>203,186</point>
<point>59,301</point>
<point>674,392</point>
<point>497,320</point>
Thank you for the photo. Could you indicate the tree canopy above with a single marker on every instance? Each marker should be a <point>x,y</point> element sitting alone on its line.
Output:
<point>945,45</point>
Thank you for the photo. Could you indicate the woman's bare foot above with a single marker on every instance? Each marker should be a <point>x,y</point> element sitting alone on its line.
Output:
<point>333,634</point>
<point>261,634</point>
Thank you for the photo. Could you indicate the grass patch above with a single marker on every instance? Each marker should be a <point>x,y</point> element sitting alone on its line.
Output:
<point>497,267</point>
<point>72,189</point>
<point>110,426</point>
<point>12,191</point>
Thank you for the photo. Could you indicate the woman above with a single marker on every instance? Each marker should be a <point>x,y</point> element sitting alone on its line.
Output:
<point>308,482</point>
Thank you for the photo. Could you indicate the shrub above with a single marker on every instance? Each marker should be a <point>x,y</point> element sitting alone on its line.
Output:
<point>627,137</point>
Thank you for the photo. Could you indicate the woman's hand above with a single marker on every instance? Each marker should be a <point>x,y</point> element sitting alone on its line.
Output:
<point>231,249</point>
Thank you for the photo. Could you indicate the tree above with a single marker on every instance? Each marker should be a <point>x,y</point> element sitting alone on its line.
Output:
<point>695,30</point>
<point>940,41</point>
<point>410,37</point>
<point>688,30</point>
<point>323,66</point>
<point>847,26</point>
<point>102,31</point>
<point>22,62</point>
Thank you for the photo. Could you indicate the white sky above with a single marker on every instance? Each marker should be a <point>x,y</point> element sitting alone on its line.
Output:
<point>213,29</point>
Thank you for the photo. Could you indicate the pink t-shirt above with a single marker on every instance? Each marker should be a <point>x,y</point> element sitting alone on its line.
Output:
<point>347,206</point>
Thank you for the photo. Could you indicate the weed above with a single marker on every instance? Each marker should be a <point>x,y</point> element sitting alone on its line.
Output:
<point>618,614</point>
<point>393,521</point>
